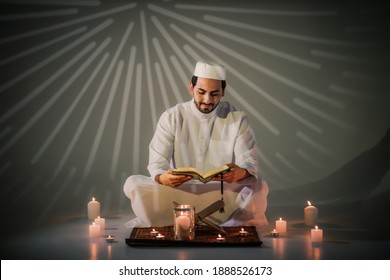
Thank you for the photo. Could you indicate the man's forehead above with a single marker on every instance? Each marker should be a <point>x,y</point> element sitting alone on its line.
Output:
<point>209,84</point>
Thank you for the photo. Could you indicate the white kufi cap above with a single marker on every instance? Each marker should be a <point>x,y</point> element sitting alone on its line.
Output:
<point>210,71</point>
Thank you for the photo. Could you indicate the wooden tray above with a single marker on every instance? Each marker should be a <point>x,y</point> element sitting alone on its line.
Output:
<point>204,236</point>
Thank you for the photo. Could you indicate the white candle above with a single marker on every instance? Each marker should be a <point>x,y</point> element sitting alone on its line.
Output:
<point>93,209</point>
<point>316,235</point>
<point>153,232</point>
<point>220,238</point>
<point>281,225</point>
<point>110,239</point>
<point>101,222</point>
<point>183,222</point>
<point>243,232</point>
<point>94,230</point>
<point>274,233</point>
<point>311,215</point>
<point>160,236</point>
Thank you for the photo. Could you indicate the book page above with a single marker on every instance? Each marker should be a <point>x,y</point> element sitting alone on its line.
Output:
<point>216,171</point>
<point>186,170</point>
<point>196,174</point>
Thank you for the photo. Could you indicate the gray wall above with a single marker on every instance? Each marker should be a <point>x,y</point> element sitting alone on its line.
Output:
<point>83,83</point>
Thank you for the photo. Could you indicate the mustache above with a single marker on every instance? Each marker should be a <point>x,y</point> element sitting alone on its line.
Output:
<point>202,103</point>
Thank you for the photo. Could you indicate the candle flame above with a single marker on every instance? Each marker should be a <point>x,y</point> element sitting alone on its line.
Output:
<point>308,202</point>
<point>93,223</point>
<point>242,229</point>
<point>93,198</point>
<point>219,235</point>
<point>280,219</point>
<point>316,227</point>
<point>109,236</point>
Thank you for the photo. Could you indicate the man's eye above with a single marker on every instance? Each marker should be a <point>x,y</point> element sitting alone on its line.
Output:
<point>201,92</point>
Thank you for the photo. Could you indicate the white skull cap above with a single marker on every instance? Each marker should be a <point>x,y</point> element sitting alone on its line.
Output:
<point>210,71</point>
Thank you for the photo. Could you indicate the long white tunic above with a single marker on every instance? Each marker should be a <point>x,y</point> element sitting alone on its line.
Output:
<point>186,137</point>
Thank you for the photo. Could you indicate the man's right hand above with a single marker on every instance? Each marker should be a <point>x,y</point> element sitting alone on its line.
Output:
<point>168,179</point>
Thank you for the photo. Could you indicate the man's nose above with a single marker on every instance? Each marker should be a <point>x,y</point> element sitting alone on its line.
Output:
<point>208,98</point>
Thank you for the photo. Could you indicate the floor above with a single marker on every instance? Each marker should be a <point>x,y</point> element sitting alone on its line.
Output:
<point>71,241</point>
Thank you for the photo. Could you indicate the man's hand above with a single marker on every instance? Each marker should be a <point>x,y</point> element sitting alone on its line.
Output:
<point>168,179</point>
<point>235,174</point>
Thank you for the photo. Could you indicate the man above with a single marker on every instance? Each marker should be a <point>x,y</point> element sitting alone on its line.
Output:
<point>204,133</point>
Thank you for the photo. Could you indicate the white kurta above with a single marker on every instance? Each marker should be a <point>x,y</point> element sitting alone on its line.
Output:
<point>185,137</point>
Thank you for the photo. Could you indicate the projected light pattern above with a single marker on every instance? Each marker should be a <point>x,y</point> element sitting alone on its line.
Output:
<point>84,82</point>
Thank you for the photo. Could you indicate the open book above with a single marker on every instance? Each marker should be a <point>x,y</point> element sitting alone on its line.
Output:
<point>196,175</point>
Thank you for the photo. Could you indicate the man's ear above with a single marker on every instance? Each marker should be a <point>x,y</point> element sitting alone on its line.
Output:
<point>191,88</point>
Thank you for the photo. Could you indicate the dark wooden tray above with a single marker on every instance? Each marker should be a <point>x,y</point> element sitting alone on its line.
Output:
<point>204,236</point>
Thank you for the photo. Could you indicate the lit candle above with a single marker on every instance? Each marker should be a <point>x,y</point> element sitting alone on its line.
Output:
<point>243,232</point>
<point>110,239</point>
<point>220,238</point>
<point>94,230</point>
<point>274,233</point>
<point>101,222</point>
<point>311,215</point>
<point>316,235</point>
<point>183,222</point>
<point>153,232</point>
<point>281,225</point>
<point>93,209</point>
<point>160,236</point>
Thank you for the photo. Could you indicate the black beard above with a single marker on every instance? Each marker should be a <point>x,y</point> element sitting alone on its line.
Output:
<point>198,105</point>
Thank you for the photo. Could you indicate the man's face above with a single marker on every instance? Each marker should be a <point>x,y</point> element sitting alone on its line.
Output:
<point>207,93</point>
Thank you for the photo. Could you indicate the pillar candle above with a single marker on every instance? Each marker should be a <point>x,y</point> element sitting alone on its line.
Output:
<point>281,226</point>
<point>94,230</point>
<point>101,222</point>
<point>184,222</point>
<point>316,235</point>
<point>93,209</point>
<point>311,215</point>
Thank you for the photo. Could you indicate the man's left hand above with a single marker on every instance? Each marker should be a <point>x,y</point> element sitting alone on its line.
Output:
<point>235,174</point>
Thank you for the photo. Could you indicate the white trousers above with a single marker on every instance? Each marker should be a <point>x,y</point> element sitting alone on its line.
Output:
<point>152,203</point>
